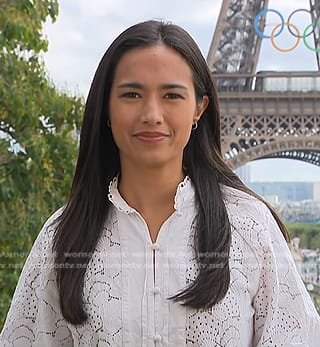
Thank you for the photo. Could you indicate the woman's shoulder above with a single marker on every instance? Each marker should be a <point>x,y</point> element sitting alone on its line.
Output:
<point>47,231</point>
<point>241,204</point>
<point>251,220</point>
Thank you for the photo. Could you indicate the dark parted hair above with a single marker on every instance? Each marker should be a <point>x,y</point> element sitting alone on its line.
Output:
<point>81,223</point>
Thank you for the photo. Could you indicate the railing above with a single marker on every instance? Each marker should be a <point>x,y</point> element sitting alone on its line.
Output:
<point>269,81</point>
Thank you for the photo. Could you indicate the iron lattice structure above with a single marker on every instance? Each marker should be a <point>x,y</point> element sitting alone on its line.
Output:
<point>264,115</point>
<point>235,46</point>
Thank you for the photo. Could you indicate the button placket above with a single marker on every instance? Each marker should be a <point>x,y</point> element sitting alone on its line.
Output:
<point>156,292</point>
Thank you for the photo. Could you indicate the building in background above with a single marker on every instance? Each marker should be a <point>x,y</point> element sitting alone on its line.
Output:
<point>316,191</point>
<point>279,192</point>
<point>296,202</point>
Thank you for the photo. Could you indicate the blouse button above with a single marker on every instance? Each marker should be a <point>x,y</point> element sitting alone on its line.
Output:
<point>156,291</point>
<point>157,338</point>
<point>155,247</point>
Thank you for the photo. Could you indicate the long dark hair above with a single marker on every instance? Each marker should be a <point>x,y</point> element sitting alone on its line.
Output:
<point>80,225</point>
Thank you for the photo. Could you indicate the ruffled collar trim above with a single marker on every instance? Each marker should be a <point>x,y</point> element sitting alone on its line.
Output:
<point>183,196</point>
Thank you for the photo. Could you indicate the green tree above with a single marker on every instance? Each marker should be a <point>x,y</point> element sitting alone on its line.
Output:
<point>309,234</point>
<point>38,142</point>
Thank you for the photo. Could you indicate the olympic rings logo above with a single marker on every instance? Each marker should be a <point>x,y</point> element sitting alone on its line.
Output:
<point>293,29</point>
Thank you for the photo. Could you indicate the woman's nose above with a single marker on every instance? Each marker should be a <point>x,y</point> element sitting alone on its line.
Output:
<point>152,111</point>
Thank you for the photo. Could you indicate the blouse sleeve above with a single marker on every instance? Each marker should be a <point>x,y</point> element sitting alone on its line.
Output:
<point>284,312</point>
<point>34,318</point>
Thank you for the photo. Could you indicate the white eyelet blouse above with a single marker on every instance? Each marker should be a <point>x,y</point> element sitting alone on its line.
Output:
<point>129,279</point>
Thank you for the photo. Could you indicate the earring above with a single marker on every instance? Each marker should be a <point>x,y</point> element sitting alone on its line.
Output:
<point>194,125</point>
<point>108,123</point>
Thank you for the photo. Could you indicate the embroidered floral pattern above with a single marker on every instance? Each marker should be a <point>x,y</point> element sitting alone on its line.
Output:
<point>266,304</point>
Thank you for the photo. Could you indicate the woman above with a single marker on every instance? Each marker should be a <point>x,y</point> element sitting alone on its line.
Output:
<point>160,244</point>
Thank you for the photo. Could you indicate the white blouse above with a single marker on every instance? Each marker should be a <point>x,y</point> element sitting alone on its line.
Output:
<point>129,279</point>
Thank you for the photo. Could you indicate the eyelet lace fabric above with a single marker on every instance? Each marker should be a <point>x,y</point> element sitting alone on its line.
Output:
<point>129,279</point>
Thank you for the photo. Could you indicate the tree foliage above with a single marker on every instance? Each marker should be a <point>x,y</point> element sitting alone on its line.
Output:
<point>38,142</point>
<point>309,234</point>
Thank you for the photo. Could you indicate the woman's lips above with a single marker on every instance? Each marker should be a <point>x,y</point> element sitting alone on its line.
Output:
<point>151,136</point>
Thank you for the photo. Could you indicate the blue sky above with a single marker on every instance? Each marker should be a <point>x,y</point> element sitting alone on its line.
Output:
<point>84,29</point>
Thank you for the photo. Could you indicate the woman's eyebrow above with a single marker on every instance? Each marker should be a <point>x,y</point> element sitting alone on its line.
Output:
<point>137,85</point>
<point>173,86</point>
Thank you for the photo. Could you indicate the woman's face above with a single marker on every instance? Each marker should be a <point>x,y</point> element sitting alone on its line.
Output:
<point>153,106</point>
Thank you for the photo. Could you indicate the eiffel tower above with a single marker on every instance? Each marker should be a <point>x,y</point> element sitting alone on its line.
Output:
<point>264,114</point>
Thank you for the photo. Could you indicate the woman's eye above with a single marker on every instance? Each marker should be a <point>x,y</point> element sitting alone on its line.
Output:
<point>130,95</point>
<point>173,96</point>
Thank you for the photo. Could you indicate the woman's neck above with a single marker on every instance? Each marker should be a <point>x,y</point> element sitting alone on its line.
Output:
<point>150,189</point>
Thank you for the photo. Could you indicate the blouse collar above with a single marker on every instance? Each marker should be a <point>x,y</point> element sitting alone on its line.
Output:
<point>184,195</point>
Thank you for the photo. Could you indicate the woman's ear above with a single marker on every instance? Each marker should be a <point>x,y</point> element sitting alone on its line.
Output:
<point>201,107</point>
